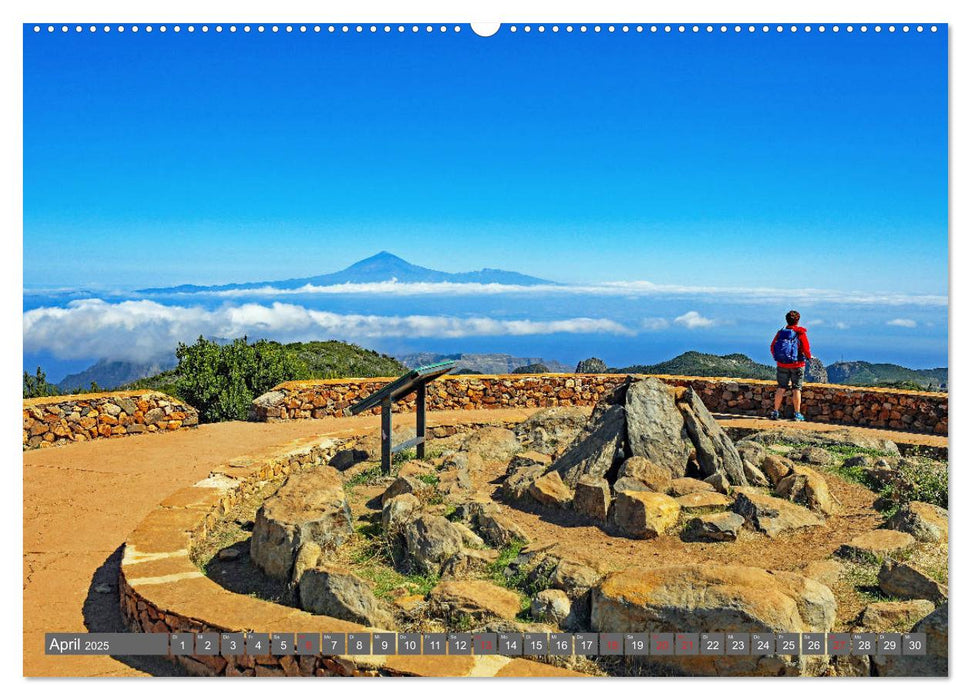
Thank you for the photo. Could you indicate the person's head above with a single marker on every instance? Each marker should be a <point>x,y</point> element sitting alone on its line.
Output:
<point>792,318</point>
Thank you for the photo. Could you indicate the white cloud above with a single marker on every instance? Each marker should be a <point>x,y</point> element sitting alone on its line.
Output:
<point>143,330</point>
<point>903,323</point>
<point>693,319</point>
<point>654,324</point>
<point>840,325</point>
<point>631,288</point>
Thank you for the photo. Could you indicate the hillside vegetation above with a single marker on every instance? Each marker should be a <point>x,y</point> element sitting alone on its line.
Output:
<point>700,364</point>
<point>883,374</point>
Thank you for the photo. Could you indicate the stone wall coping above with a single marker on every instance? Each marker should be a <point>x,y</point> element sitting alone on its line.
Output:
<point>310,383</point>
<point>61,398</point>
<point>157,571</point>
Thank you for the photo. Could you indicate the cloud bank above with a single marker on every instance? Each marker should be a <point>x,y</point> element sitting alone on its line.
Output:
<point>693,319</point>
<point>903,323</point>
<point>613,289</point>
<point>142,330</point>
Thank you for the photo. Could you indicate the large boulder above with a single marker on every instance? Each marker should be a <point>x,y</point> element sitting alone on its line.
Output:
<point>594,453</point>
<point>901,580</point>
<point>773,516</point>
<point>715,452</point>
<point>550,430</point>
<point>395,512</point>
<point>334,591</point>
<point>309,507</point>
<point>715,598</point>
<point>877,545</point>
<point>516,486</point>
<point>655,477</point>
<point>475,599</point>
<point>894,616</point>
<point>806,487</point>
<point>655,426</point>
<point>925,521</point>
<point>591,498</point>
<point>403,485</point>
<point>573,577</point>
<point>430,540</point>
<point>549,490</point>
<point>492,444</point>
<point>643,514</point>
<point>753,451</point>
<point>496,528</point>
<point>934,663</point>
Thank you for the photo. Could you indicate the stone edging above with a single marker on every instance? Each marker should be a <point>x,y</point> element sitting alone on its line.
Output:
<point>162,590</point>
<point>913,411</point>
<point>59,420</point>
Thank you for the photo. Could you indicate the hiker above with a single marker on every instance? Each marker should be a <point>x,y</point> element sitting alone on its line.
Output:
<point>790,349</point>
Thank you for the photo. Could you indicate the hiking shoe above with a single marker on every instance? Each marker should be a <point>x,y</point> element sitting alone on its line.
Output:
<point>798,417</point>
<point>774,415</point>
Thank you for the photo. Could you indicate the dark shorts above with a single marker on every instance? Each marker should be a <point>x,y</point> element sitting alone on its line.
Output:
<point>784,377</point>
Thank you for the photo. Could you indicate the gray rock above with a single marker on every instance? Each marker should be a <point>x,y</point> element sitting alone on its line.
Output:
<point>934,663</point>
<point>336,592</point>
<point>720,483</point>
<point>397,511</point>
<point>714,450</point>
<point>592,365</point>
<point>773,516</point>
<point>347,458</point>
<point>549,490</point>
<point>812,455</point>
<point>643,514</point>
<point>816,371</point>
<point>516,486</point>
<point>403,485</point>
<point>753,451</point>
<point>553,606</point>
<point>925,521</point>
<point>754,475</point>
<point>656,478</point>
<point>714,527</point>
<point>309,507</point>
<point>627,483</point>
<point>492,444</point>
<point>655,426</point>
<point>591,497</point>
<point>551,430</point>
<point>595,453</point>
<point>496,528</point>
<point>430,540</point>
<point>573,577</point>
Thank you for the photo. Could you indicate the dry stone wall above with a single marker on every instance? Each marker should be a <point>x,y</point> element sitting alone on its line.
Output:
<point>915,411</point>
<point>58,420</point>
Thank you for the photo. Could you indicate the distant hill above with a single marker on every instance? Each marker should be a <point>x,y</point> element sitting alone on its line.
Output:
<point>108,374</point>
<point>861,373</point>
<point>382,267</point>
<point>482,363</point>
<point>700,364</point>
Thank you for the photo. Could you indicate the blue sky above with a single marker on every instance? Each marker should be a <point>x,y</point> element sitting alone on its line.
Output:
<point>722,178</point>
<point>800,159</point>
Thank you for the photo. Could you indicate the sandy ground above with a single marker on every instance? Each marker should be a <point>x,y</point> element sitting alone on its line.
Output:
<point>82,500</point>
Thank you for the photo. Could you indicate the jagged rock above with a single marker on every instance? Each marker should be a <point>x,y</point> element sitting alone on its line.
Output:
<point>516,486</point>
<point>755,476</point>
<point>395,512</point>
<point>877,544</point>
<point>492,444</point>
<point>592,498</point>
<point>309,507</point>
<point>806,487</point>
<point>335,591</point>
<point>753,451</point>
<point>430,540</point>
<point>627,483</point>
<point>573,577</point>
<point>468,562</point>
<point>714,450</point>
<point>466,463</point>
<point>594,453</point>
<point>403,485</point>
<point>720,483</point>
<point>528,458</point>
<point>643,514</point>
<point>347,458</point>
<point>776,468</point>
<point>454,484</point>
<point>901,580</point>
<point>495,527</point>
<point>773,516</point>
<point>550,430</point>
<point>925,521</point>
<point>812,455</point>
<point>656,478</point>
<point>549,490</point>
<point>715,597</point>
<point>894,616</point>
<point>655,426</point>
<point>686,485</point>
<point>934,663</point>
<point>703,502</point>
<point>553,606</point>
<point>714,527</point>
<point>474,599</point>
